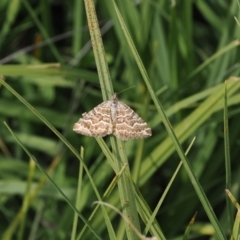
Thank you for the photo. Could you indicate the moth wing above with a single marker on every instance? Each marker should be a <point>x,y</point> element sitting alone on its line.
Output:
<point>97,122</point>
<point>128,125</point>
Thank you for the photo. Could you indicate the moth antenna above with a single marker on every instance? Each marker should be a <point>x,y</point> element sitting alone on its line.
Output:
<point>125,89</point>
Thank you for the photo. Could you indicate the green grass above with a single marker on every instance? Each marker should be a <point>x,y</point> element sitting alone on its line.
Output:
<point>181,58</point>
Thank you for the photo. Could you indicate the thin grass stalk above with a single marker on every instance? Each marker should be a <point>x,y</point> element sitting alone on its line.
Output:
<point>173,49</point>
<point>78,197</point>
<point>26,200</point>
<point>125,186</point>
<point>98,50</point>
<point>77,23</point>
<point>214,57</point>
<point>193,178</point>
<point>188,229</point>
<point>146,213</point>
<point>156,210</point>
<point>227,156</point>
<point>105,195</point>
<point>236,226</point>
<point>10,17</point>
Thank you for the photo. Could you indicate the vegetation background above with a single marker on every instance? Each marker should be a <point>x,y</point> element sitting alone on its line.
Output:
<point>188,48</point>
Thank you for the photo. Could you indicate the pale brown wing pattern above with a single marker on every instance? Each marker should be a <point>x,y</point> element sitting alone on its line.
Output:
<point>128,125</point>
<point>112,117</point>
<point>97,122</point>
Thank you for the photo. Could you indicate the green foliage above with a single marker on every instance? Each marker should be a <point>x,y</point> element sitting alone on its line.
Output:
<point>178,56</point>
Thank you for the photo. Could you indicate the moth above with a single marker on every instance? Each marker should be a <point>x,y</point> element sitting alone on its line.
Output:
<point>112,117</point>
